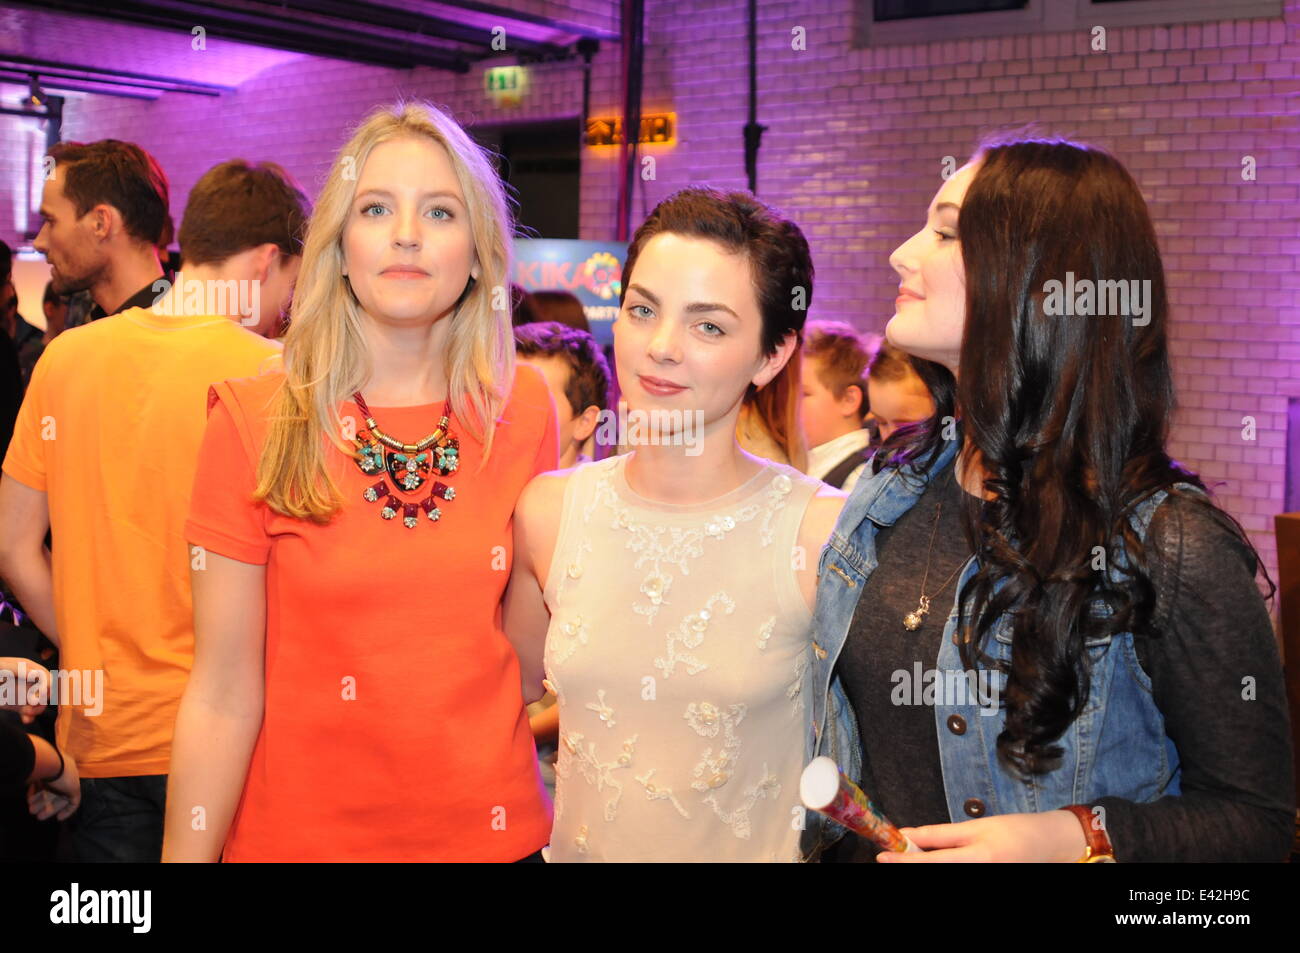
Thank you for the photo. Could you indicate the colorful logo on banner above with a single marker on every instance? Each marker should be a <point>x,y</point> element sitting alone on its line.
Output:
<point>591,271</point>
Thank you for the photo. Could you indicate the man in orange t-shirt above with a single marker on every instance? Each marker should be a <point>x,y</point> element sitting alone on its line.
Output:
<point>104,455</point>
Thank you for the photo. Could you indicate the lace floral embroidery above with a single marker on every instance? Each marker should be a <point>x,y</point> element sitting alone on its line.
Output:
<point>765,633</point>
<point>572,634</point>
<point>572,572</point>
<point>655,793</point>
<point>690,634</point>
<point>659,548</point>
<point>738,820</point>
<point>603,710</point>
<point>714,771</point>
<point>601,775</point>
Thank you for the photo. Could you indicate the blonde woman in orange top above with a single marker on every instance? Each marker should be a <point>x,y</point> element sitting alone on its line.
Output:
<point>353,697</point>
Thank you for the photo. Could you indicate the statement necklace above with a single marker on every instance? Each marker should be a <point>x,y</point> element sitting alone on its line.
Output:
<point>407,464</point>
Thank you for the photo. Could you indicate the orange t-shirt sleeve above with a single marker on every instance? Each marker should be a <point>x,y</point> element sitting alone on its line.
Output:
<point>223,516</point>
<point>25,460</point>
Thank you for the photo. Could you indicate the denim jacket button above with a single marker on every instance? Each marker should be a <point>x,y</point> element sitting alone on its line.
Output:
<point>973,807</point>
<point>957,724</point>
<point>820,652</point>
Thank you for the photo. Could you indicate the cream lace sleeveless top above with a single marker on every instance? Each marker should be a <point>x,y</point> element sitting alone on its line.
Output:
<point>679,649</point>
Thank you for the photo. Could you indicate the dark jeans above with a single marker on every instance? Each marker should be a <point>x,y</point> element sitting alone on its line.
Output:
<point>120,820</point>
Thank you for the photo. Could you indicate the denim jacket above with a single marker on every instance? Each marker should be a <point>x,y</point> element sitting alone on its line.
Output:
<point>1116,747</point>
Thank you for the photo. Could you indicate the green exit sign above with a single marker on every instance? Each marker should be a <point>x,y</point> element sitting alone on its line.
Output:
<point>505,79</point>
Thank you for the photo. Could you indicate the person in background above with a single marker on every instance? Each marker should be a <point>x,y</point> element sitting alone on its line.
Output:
<point>245,223</point>
<point>11,376</point>
<point>896,393</point>
<point>522,308</point>
<point>104,211</point>
<point>561,307</point>
<point>26,337</point>
<point>126,393</point>
<point>25,757</point>
<point>770,428</point>
<point>169,259</point>
<point>578,377</point>
<point>834,403</point>
<point>80,304</point>
<point>55,307</point>
<point>11,390</point>
<point>576,374</point>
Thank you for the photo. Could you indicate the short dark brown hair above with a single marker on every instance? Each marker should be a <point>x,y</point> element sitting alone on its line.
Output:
<point>588,371</point>
<point>237,206</point>
<point>560,307</point>
<point>781,272</point>
<point>842,357</point>
<point>116,173</point>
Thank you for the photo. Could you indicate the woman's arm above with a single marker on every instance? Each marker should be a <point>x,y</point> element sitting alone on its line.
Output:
<point>59,797</point>
<point>818,521</point>
<point>28,683</point>
<point>45,760</point>
<point>524,613</point>
<point>1217,679</point>
<point>24,560</point>
<point>546,725</point>
<point>220,713</point>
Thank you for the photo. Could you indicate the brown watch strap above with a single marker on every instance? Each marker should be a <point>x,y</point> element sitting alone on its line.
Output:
<point>1099,847</point>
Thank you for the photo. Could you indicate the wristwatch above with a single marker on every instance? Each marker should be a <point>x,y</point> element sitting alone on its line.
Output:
<point>1098,849</point>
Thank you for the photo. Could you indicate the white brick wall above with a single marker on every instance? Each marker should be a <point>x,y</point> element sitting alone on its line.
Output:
<point>853,152</point>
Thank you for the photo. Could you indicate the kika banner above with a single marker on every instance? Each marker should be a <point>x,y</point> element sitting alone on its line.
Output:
<point>591,271</point>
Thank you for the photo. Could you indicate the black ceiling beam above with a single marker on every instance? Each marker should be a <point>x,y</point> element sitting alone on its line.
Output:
<point>424,24</point>
<point>284,33</point>
<point>536,19</point>
<point>294,33</point>
<point>66,86</point>
<point>75,71</point>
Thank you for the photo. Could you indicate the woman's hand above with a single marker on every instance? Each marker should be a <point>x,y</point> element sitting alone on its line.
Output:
<point>59,798</point>
<point>31,692</point>
<point>1052,836</point>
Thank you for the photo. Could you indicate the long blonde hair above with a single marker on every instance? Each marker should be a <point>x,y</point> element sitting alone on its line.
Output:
<point>325,354</point>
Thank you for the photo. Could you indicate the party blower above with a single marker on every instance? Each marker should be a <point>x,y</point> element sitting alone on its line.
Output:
<point>825,789</point>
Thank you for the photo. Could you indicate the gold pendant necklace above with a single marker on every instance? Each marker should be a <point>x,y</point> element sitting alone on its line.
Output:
<point>912,621</point>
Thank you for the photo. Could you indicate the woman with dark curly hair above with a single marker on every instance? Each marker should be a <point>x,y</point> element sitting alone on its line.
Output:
<point>1049,638</point>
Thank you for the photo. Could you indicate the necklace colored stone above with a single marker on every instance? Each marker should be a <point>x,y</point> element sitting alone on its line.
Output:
<point>408,465</point>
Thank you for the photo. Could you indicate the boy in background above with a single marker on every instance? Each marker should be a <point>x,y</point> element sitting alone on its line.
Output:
<point>835,403</point>
<point>896,394</point>
<point>578,377</point>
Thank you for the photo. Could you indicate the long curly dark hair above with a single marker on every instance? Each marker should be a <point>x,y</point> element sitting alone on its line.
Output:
<point>1069,416</point>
